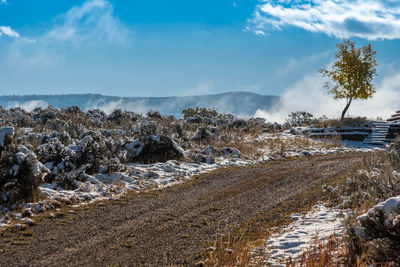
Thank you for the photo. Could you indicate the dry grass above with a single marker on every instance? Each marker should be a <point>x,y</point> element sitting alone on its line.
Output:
<point>301,143</point>
<point>353,250</point>
<point>334,252</point>
<point>234,249</point>
<point>348,121</point>
<point>250,145</point>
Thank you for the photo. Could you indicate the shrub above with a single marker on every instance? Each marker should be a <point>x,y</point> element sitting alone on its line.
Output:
<point>300,118</point>
<point>20,174</point>
<point>205,113</point>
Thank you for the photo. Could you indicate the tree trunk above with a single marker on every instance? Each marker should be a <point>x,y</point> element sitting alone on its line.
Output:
<point>345,110</point>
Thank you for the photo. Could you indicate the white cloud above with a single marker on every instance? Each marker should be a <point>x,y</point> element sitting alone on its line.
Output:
<point>6,30</point>
<point>92,23</point>
<point>309,94</point>
<point>368,19</point>
<point>3,2</point>
<point>259,32</point>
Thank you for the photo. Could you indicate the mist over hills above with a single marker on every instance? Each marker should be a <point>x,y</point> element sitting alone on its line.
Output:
<point>242,104</point>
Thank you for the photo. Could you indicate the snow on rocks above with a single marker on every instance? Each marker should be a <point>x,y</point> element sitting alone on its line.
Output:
<point>230,152</point>
<point>134,148</point>
<point>153,146</point>
<point>382,220</point>
<point>317,225</point>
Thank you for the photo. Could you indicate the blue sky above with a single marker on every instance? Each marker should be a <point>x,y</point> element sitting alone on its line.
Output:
<point>183,47</point>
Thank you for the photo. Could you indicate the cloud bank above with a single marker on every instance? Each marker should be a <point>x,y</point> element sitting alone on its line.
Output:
<point>308,94</point>
<point>368,19</point>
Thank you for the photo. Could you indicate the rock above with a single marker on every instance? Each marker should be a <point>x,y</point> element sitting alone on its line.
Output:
<point>305,153</point>
<point>210,150</point>
<point>157,148</point>
<point>73,109</point>
<point>168,168</point>
<point>18,216</point>
<point>27,212</point>
<point>30,222</point>
<point>39,207</point>
<point>230,151</point>
<point>237,123</point>
<point>194,119</point>
<point>209,121</point>
<point>203,134</point>
<point>200,158</point>
<point>328,188</point>
<point>154,114</point>
<point>134,148</point>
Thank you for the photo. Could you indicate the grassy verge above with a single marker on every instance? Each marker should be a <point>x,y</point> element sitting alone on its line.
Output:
<point>234,248</point>
<point>375,180</point>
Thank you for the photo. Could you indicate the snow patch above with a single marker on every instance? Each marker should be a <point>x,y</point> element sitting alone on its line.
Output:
<point>321,222</point>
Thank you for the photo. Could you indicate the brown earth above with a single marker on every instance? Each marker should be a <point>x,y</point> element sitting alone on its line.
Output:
<point>172,226</point>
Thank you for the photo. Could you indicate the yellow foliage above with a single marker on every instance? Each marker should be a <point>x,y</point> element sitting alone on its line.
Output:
<point>352,73</point>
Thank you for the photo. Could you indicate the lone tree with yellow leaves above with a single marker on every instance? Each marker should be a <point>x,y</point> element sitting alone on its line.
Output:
<point>351,74</point>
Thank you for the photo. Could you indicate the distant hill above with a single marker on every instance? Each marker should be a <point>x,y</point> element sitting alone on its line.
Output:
<point>237,103</point>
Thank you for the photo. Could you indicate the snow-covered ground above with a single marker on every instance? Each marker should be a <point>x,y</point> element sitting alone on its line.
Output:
<point>320,223</point>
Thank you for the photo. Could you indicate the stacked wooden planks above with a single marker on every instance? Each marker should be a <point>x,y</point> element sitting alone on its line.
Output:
<point>395,117</point>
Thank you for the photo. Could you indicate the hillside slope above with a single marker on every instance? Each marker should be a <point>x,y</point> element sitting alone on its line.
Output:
<point>238,103</point>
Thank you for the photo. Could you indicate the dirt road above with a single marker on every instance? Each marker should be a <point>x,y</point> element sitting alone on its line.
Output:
<point>172,227</point>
